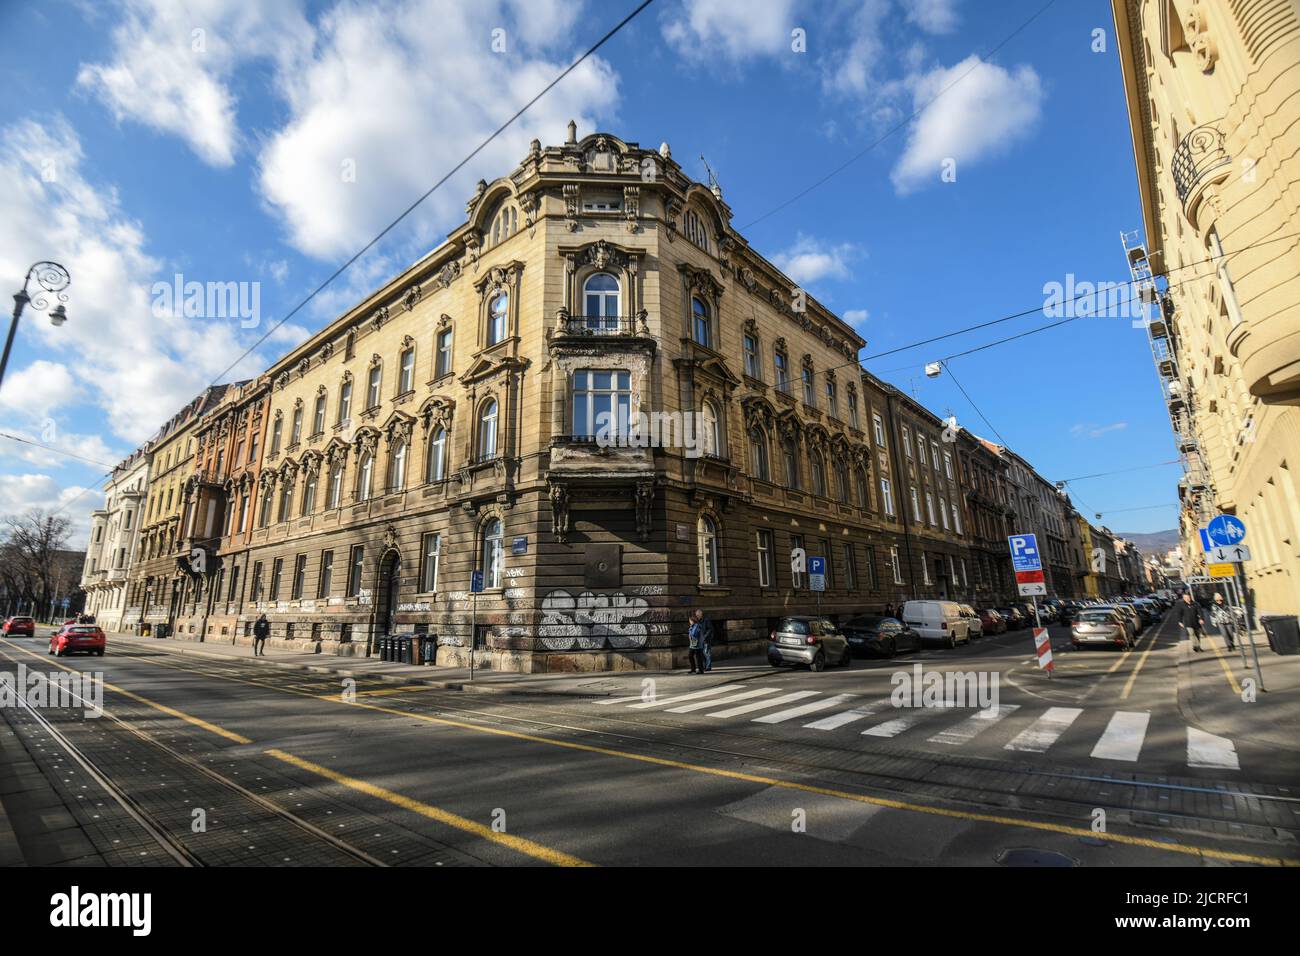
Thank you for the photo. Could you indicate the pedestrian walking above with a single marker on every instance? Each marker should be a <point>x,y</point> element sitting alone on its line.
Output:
<point>706,638</point>
<point>1190,616</point>
<point>695,641</point>
<point>261,631</point>
<point>1221,616</point>
<point>889,610</point>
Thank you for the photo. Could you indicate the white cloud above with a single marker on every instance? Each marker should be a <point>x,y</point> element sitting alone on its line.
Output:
<point>39,390</point>
<point>933,16</point>
<point>1093,430</point>
<point>377,102</point>
<point>136,367</point>
<point>855,69</point>
<point>732,30</point>
<point>809,259</point>
<point>172,64</point>
<point>855,316</point>
<point>21,493</point>
<point>980,110</point>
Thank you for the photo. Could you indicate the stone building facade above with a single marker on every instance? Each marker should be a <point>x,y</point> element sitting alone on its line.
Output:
<point>114,534</point>
<point>1213,94</point>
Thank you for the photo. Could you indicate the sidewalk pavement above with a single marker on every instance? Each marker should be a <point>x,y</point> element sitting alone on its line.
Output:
<point>595,684</point>
<point>1210,686</point>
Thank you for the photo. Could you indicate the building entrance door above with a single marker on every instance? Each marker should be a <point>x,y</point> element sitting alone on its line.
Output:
<point>389,578</point>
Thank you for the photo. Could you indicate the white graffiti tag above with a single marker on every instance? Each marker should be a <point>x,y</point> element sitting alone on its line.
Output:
<point>589,620</point>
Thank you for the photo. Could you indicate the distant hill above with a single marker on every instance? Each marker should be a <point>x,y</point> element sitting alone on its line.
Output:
<point>1152,543</point>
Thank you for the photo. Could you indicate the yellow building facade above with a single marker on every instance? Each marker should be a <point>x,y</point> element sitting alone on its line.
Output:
<point>1213,91</point>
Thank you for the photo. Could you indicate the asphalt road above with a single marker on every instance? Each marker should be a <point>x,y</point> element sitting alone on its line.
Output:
<point>209,762</point>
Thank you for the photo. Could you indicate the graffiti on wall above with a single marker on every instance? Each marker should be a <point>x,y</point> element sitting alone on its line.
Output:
<point>591,622</point>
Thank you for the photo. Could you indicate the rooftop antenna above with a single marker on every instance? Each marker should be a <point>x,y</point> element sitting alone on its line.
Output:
<point>713,180</point>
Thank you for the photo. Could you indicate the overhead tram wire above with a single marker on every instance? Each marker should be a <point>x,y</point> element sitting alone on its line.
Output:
<point>430,191</point>
<point>983,58</point>
<point>1122,471</point>
<point>51,448</point>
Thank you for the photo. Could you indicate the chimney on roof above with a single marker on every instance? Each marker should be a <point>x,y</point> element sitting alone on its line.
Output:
<point>573,134</point>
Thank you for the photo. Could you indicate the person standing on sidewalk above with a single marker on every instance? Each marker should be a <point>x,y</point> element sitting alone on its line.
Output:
<point>261,631</point>
<point>695,640</point>
<point>1221,617</point>
<point>706,639</point>
<point>1189,616</point>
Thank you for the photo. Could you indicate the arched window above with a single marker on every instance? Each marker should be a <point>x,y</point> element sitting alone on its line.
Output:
<point>492,553</point>
<point>841,483</point>
<point>498,318</point>
<point>818,474</point>
<point>864,499</point>
<point>790,453</point>
<point>758,453</point>
<point>365,476</point>
<point>286,500</point>
<point>693,226</point>
<point>487,430</point>
<point>707,533</point>
<point>397,467</point>
<point>437,466</point>
<point>600,302</point>
<point>701,323</point>
<point>504,222</point>
<point>336,485</point>
<point>309,492</point>
<point>710,436</point>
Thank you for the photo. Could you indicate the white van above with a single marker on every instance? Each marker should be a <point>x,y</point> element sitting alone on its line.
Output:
<point>937,621</point>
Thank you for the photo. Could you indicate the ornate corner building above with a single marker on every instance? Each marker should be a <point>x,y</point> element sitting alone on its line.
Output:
<point>1213,91</point>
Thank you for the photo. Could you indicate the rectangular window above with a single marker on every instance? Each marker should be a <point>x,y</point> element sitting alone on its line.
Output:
<point>275,436</point>
<point>925,568</point>
<point>943,513</point>
<point>878,427</point>
<point>934,455</point>
<point>809,392</point>
<point>853,409</point>
<point>850,568</point>
<point>255,591</point>
<point>916,505</point>
<point>325,580</point>
<point>345,402</point>
<point>929,507</point>
<point>956,520</point>
<point>872,581</point>
<point>894,565</point>
<point>372,387</point>
<point>887,497</point>
<point>277,567</point>
<point>907,442</point>
<point>299,577</point>
<point>356,567</point>
<point>920,448</point>
<point>406,372</point>
<point>431,553</point>
<point>766,569</point>
<point>602,402</point>
<point>751,357</point>
<point>947,464</point>
<point>782,371</point>
<point>796,577</point>
<point>318,416</point>
<point>295,435</point>
<point>832,400</point>
<point>443,363</point>
<point>234,583</point>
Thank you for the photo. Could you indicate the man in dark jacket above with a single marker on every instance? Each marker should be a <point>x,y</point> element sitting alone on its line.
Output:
<point>261,631</point>
<point>1189,616</point>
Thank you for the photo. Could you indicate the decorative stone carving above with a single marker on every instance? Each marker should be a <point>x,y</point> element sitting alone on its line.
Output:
<point>645,498</point>
<point>674,210</point>
<point>747,279</point>
<point>572,193</point>
<point>448,274</point>
<point>632,206</point>
<point>560,513</point>
<point>390,538</point>
<point>379,317</point>
<point>413,295</point>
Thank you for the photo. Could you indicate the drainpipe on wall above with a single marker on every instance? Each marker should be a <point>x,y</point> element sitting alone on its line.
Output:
<point>902,508</point>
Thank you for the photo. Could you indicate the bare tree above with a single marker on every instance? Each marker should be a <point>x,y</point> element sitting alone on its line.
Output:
<point>34,560</point>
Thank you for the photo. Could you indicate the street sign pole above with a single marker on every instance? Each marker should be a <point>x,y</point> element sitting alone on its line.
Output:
<point>1249,633</point>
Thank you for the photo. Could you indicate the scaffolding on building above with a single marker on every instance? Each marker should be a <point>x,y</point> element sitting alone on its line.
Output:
<point>1195,489</point>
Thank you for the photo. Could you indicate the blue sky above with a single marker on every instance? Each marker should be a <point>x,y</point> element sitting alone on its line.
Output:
<point>246,142</point>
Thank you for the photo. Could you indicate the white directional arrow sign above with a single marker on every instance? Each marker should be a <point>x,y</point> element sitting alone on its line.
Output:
<point>1236,552</point>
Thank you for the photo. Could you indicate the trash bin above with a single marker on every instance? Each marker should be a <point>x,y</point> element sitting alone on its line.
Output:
<point>385,648</point>
<point>404,644</point>
<point>1283,632</point>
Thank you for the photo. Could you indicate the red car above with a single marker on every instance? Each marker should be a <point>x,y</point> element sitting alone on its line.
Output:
<point>19,627</point>
<point>992,621</point>
<point>78,638</point>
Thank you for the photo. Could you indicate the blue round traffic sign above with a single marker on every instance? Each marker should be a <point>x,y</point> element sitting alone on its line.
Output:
<point>1226,530</point>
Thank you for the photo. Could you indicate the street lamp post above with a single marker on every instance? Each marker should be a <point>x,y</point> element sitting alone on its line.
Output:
<point>51,279</point>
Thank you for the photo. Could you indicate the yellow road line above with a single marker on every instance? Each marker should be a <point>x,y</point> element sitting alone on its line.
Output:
<point>519,844</point>
<point>1137,668</point>
<point>1227,671</point>
<point>1121,838</point>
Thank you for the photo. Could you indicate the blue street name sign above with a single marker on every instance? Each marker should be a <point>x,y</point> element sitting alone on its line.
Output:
<point>1226,530</point>
<point>1024,552</point>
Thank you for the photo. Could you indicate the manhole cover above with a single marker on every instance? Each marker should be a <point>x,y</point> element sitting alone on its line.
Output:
<point>1028,856</point>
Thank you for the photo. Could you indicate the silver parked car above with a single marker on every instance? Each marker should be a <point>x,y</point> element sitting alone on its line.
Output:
<point>1132,623</point>
<point>973,621</point>
<point>1100,626</point>
<point>812,642</point>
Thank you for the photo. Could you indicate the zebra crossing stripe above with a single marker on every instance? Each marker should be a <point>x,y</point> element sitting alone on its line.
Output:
<point>1044,731</point>
<point>692,696</point>
<point>892,728</point>
<point>835,721</point>
<point>793,712</point>
<point>973,726</point>
<point>701,704</point>
<point>763,704</point>
<point>1207,750</point>
<point>1123,737</point>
